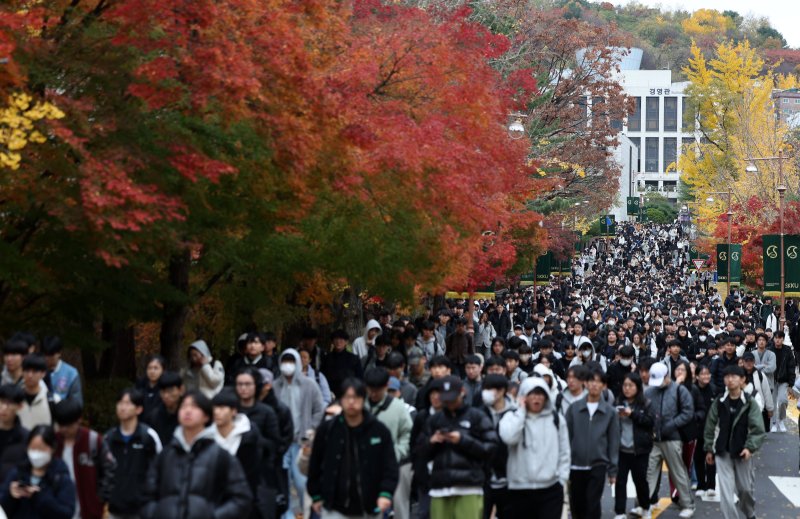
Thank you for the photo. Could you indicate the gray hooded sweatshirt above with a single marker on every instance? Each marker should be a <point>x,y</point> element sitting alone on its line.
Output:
<point>301,395</point>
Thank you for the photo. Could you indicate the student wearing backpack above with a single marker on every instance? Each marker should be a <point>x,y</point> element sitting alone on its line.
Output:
<point>193,477</point>
<point>496,403</point>
<point>757,385</point>
<point>539,454</point>
<point>83,452</point>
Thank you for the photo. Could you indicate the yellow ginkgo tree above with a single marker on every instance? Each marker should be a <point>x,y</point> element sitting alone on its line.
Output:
<point>730,98</point>
<point>18,126</point>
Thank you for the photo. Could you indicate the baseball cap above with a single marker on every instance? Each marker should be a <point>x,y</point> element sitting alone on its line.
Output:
<point>658,372</point>
<point>394,384</point>
<point>748,356</point>
<point>451,389</point>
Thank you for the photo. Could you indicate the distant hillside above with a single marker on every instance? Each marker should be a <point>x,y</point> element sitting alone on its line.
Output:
<point>666,36</point>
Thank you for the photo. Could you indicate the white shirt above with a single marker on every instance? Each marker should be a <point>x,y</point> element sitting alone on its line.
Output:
<point>592,407</point>
<point>67,457</point>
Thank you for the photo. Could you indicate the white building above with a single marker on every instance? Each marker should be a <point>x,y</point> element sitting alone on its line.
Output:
<point>657,129</point>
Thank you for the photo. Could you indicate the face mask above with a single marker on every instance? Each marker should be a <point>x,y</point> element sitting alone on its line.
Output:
<point>703,337</point>
<point>612,323</point>
<point>625,362</point>
<point>38,458</point>
<point>488,396</point>
<point>525,357</point>
<point>288,369</point>
<point>563,326</point>
<point>586,353</point>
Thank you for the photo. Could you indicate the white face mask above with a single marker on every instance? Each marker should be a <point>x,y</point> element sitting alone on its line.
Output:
<point>586,353</point>
<point>612,322</point>
<point>488,396</point>
<point>288,368</point>
<point>39,459</point>
<point>563,326</point>
<point>525,358</point>
<point>625,362</point>
<point>703,337</point>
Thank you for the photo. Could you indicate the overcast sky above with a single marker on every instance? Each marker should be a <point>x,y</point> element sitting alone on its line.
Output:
<point>784,15</point>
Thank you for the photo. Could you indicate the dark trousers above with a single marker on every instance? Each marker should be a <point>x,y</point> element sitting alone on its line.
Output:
<point>637,466</point>
<point>545,503</point>
<point>496,497</point>
<point>586,491</point>
<point>767,420</point>
<point>706,474</point>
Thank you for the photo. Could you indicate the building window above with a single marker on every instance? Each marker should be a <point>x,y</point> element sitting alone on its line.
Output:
<point>637,141</point>
<point>687,119</point>
<point>670,114</point>
<point>797,101</point>
<point>651,155</point>
<point>635,118</point>
<point>582,112</point>
<point>670,187</point>
<point>670,151</point>
<point>785,100</point>
<point>652,114</point>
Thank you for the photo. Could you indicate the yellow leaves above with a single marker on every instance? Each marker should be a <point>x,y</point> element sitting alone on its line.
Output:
<point>707,22</point>
<point>17,126</point>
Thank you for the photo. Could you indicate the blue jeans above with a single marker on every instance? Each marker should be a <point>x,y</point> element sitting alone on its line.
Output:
<point>295,478</point>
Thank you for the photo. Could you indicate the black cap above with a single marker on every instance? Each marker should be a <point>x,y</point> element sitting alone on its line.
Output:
<point>451,388</point>
<point>748,356</point>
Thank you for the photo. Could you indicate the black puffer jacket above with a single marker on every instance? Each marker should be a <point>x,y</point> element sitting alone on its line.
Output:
<point>378,472</point>
<point>463,463</point>
<point>198,482</point>
<point>644,419</point>
<point>131,459</point>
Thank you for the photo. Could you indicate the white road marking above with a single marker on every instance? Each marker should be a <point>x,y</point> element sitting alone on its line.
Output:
<point>789,487</point>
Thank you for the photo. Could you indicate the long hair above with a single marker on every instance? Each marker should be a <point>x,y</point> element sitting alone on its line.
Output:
<point>639,399</point>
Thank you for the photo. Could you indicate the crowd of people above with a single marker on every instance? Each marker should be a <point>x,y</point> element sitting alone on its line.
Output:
<point>515,407</point>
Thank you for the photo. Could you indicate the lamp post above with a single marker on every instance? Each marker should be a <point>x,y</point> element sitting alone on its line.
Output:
<point>781,187</point>
<point>729,195</point>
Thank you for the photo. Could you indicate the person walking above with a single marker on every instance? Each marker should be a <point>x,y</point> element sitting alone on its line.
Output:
<point>539,454</point>
<point>353,468</point>
<point>594,442</point>
<point>495,404</point>
<point>458,441</point>
<point>783,377</point>
<point>733,432</point>
<point>706,474</point>
<point>674,408</point>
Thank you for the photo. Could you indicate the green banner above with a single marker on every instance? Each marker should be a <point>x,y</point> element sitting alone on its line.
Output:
<point>566,268</point>
<point>555,266</point>
<point>527,279</point>
<point>543,263</point>
<point>729,252</point>
<point>772,264</point>
<point>633,205</point>
<point>608,225</point>
<point>695,254</point>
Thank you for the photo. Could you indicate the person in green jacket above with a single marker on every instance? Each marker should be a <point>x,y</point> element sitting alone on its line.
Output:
<point>734,431</point>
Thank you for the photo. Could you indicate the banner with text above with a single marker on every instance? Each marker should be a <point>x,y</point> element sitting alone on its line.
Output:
<point>729,253</point>
<point>772,264</point>
<point>633,205</point>
<point>543,263</point>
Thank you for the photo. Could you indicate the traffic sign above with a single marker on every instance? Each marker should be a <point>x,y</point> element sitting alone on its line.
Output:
<point>699,263</point>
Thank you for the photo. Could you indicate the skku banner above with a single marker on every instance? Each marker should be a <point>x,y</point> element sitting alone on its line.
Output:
<point>772,264</point>
<point>729,253</point>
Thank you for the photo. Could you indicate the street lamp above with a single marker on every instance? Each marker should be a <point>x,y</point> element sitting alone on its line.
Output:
<point>781,188</point>
<point>516,130</point>
<point>710,200</point>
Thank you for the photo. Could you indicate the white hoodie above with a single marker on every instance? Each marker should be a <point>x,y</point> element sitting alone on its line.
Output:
<point>538,451</point>
<point>241,425</point>
<point>361,344</point>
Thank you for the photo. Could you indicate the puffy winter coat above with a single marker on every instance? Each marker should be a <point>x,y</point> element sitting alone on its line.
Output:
<point>198,481</point>
<point>462,464</point>
<point>55,500</point>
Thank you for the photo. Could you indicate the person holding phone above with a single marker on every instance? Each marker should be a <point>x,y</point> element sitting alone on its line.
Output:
<point>636,420</point>
<point>40,488</point>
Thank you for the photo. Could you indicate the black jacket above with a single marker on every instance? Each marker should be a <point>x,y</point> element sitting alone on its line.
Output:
<point>338,366</point>
<point>55,500</point>
<point>644,419</point>
<point>616,375</point>
<point>163,423</point>
<point>707,395</point>
<point>463,463</point>
<point>264,419</point>
<point>122,487</point>
<point>252,455</point>
<point>285,423</point>
<point>15,449</point>
<point>204,483</point>
<point>718,366</point>
<point>378,471</point>
<point>785,365</point>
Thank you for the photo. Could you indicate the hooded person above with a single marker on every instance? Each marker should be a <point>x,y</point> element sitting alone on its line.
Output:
<point>555,384</point>
<point>587,353</point>
<point>362,344</point>
<point>204,373</point>
<point>303,397</point>
<point>539,452</point>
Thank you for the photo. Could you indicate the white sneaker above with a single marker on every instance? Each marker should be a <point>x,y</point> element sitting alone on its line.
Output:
<point>711,493</point>
<point>686,513</point>
<point>646,515</point>
<point>638,511</point>
<point>620,516</point>
<point>782,426</point>
<point>700,493</point>
<point>774,428</point>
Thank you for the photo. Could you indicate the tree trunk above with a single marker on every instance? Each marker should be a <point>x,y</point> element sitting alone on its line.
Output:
<point>176,310</point>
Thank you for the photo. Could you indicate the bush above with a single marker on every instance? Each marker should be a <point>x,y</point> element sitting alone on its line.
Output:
<point>100,402</point>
